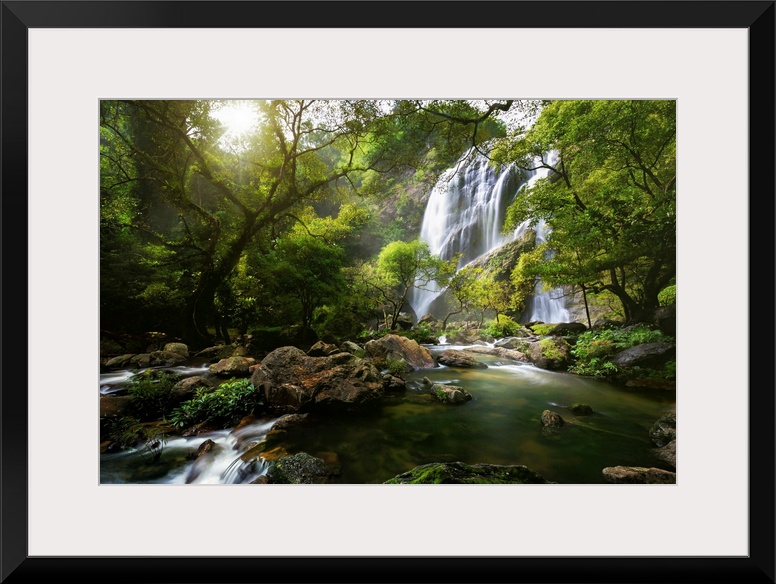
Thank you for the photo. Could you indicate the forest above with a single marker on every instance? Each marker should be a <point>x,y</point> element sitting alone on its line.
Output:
<point>305,229</point>
<point>310,218</point>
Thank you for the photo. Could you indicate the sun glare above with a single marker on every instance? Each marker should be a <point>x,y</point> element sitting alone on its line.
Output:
<point>239,117</point>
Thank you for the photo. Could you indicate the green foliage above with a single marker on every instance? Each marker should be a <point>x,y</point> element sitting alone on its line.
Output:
<point>122,431</point>
<point>223,407</point>
<point>396,367</point>
<point>421,334</point>
<point>550,350</point>
<point>667,296</point>
<point>542,329</point>
<point>502,327</point>
<point>151,393</point>
<point>594,349</point>
<point>610,197</point>
<point>129,432</point>
<point>400,266</point>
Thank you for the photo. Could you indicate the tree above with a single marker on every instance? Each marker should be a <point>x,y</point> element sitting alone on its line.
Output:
<point>207,202</point>
<point>610,199</point>
<point>400,267</point>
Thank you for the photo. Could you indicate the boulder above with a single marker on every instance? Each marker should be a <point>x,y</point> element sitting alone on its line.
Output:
<point>394,347</point>
<point>292,381</point>
<point>581,409</point>
<point>217,352</point>
<point>450,394</point>
<point>664,318</point>
<point>353,349</point>
<point>180,348</point>
<point>667,453</point>
<point>664,430</point>
<point>462,473</point>
<point>110,348</point>
<point>516,343</point>
<point>321,349</point>
<point>120,362</point>
<point>638,475</point>
<point>552,353</point>
<point>300,468</point>
<point>157,359</point>
<point>645,355</point>
<point>456,358</point>
<point>567,329</point>
<point>187,388</point>
<point>288,421</point>
<point>114,405</point>
<point>511,354</point>
<point>551,421</point>
<point>393,383</point>
<point>233,367</point>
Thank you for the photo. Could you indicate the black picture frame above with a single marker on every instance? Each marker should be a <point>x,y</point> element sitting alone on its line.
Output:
<point>15,564</point>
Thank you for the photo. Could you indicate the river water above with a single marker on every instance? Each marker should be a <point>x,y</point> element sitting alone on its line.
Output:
<point>500,425</point>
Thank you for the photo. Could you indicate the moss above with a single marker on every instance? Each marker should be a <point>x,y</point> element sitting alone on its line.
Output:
<point>462,473</point>
<point>550,350</point>
<point>581,409</point>
<point>541,328</point>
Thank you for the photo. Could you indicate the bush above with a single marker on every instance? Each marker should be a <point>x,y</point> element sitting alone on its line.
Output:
<point>151,393</point>
<point>503,327</point>
<point>126,431</point>
<point>594,349</point>
<point>667,296</point>
<point>396,367</point>
<point>225,406</point>
<point>542,329</point>
<point>422,334</point>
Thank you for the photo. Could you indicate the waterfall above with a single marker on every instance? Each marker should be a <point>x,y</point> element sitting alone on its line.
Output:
<point>544,305</point>
<point>465,214</point>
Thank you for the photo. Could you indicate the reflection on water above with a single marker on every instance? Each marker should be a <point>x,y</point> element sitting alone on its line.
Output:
<point>500,425</point>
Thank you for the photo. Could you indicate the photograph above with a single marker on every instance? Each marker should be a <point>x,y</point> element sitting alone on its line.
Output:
<point>387,292</point>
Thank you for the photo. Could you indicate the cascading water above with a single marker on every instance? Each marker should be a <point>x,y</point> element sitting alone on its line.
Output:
<point>465,214</point>
<point>543,305</point>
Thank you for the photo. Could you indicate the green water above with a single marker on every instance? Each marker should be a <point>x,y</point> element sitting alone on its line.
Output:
<point>500,425</point>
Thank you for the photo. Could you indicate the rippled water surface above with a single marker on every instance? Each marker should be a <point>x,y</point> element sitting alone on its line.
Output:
<point>500,425</point>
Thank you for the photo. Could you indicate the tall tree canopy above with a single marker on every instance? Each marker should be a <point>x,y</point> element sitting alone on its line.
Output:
<point>182,206</point>
<point>610,197</point>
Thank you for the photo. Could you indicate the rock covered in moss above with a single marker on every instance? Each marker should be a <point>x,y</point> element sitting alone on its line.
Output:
<point>638,475</point>
<point>291,380</point>
<point>395,348</point>
<point>664,430</point>
<point>552,421</point>
<point>296,469</point>
<point>456,358</point>
<point>462,473</point>
<point>667,453</point>
<point>450,394</point>
<point>581,409</point>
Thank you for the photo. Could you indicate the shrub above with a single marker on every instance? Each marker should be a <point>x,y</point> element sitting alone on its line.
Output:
<point>151,393</point>
<point>396,367</point>
<point>225,406</point>
<point>503,327</point>
<point>594,349</point>
<point>126,431</point>
<point>422,334</point>
<point>542,329</point>
<point>667,296</point>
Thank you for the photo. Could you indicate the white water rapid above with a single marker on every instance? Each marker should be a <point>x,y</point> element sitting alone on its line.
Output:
<point>465,214</point>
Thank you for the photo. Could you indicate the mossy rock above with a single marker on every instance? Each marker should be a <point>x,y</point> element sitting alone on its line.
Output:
<point>437,473</point>
<point>581,409</point>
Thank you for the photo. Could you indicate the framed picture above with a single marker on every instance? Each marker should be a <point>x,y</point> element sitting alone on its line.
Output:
<point>62,59</point>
